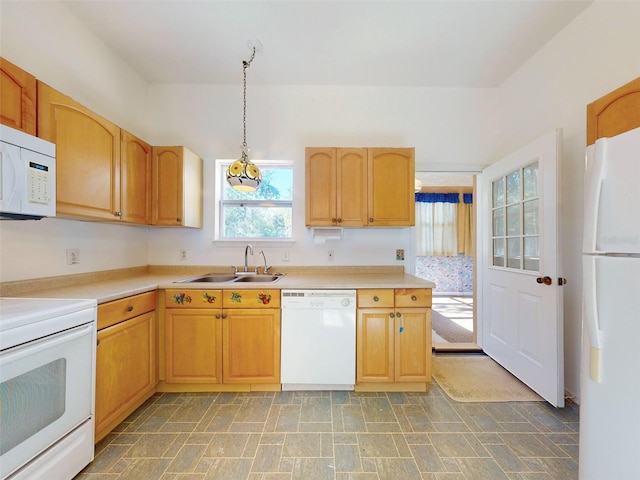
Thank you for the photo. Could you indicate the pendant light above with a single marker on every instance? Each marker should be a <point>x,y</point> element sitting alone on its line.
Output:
<point>242,174</point>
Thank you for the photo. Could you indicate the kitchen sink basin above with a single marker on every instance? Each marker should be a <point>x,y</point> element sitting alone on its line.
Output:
<point>258,278</point>
<point>231,278</point>
<point>210,278</point>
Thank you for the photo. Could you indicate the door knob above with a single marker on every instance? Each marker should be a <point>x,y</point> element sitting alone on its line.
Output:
<point>545,280</point>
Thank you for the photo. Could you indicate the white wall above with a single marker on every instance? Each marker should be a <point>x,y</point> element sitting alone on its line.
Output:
<point>47,41</point>
<point>598,52</point>
<point>445,125</point>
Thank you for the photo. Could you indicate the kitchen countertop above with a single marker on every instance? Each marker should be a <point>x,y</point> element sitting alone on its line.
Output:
<point>163,278</point>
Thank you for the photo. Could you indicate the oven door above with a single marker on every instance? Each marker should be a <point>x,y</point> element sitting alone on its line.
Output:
<point>46,390</point>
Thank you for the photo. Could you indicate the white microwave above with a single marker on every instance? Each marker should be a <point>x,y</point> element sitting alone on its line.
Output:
<point>27,176</point>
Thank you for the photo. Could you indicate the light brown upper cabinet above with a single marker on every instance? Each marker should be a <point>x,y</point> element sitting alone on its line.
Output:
<point>17,97</point>
<point>103,172</point>
<point>177,188</point>
<point>391,187</point>
<point>87,154</point>
<point>616,112</point>
<point>336,187</point>
<point>358,187</point>
<point>135,175</point>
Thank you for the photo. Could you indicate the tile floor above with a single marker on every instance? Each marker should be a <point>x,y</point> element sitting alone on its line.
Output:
<point>338,436</point>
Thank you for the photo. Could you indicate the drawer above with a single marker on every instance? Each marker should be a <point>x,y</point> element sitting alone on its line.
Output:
<point>114,312</point>
<point>413,297</point>
<point>379,297</point>
<point>192,298</point>
<point>251,298</point>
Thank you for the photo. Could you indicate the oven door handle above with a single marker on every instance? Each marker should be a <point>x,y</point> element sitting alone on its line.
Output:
<point>20,351</point>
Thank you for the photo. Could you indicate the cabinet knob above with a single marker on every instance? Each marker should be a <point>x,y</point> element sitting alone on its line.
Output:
<point>97,342</point>
<point>117,214</point>
<point>224,315</point>
<point>339,220</point>
<point>371,220</point>
<point>334,220</point>
<point>414,298</point>
<point>391,315</point>
<point>130,308</point>
<point>217,315</point>
<point>178,219</point>
<point>398,315</point>
<point>375,299</point>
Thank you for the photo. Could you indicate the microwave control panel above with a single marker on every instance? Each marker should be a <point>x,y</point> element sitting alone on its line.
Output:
<point>38,183</point>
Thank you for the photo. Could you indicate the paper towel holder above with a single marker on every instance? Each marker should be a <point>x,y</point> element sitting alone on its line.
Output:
<point>322,234</point>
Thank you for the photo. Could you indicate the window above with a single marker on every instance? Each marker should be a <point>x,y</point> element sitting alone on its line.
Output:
<point>515,226</point>
<point>263,214</point>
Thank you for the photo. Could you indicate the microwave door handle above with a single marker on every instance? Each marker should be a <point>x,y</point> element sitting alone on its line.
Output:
<point>9,172</point>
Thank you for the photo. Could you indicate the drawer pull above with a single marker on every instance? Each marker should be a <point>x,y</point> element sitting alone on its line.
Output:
<point>414,298</point>
<point>130,308</point>
<point>375,299</point>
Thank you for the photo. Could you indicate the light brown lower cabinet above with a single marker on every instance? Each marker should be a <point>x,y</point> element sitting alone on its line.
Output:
<point>393,340</point>
<point>126,359</point>
<point>221,340</point>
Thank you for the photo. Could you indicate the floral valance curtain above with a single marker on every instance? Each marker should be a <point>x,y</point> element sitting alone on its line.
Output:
<point>443,224</point>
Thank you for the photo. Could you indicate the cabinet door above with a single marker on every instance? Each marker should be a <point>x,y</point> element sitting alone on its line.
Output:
<point>391,187</point>
<point>351,187</point>
<point>135,176</point>
<point>251,345</point>
<point>87,156</point>
<point>412,345</point>
<point>320,187</point>
<point>374,345</point>
<point>193,341</point>
<point>167,186</point>
<point>17,98</point>
<point>126,367</point>
<point>177,187</point>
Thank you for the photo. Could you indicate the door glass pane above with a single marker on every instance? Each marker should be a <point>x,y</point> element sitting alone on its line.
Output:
<point>498,192</point>
<point>498,252</point>
<point>498,222</point>
<point>513,252</point>
<point>531,254</point>
<point>531,217</point>
<point>513,220</point>
<point>530,183</point>
<point>513,187</point>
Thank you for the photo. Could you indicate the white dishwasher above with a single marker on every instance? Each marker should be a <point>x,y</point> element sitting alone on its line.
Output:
<point>318,340</point>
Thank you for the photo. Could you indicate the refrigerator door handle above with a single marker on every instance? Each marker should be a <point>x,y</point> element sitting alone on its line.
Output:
<point>590,316</point>
<point>594,176</point>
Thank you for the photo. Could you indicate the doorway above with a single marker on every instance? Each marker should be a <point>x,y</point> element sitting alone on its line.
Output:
<point>444,254</point>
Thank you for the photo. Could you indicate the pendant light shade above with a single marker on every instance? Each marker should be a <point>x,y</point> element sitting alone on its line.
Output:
<point>242,174</point>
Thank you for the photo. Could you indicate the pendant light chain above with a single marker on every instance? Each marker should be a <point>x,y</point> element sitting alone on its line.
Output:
<point>245,65</point>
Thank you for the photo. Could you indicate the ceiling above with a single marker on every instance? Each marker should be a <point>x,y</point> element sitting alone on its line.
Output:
<point>419,43</point>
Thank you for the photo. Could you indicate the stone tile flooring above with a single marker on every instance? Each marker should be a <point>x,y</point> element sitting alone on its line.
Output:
<point>338,436</point>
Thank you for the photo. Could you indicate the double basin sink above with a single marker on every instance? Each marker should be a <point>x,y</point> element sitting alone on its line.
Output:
<point>233,278</point>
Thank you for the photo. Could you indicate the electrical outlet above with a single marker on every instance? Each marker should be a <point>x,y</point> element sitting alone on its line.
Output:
<point>330,255</point>
<point>73,256</point>
<point>400,254</point>
<point>183,254</point>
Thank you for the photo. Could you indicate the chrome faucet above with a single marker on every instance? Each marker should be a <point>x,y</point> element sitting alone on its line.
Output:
<point>266,267</point>
<point>248,249</point>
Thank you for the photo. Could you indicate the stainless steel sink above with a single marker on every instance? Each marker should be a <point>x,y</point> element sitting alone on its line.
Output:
<point>259,278</point>
<point>231,278</point>
<point>210,278</point>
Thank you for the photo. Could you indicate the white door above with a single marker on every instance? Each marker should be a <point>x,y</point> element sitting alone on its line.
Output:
<point>520,298</point>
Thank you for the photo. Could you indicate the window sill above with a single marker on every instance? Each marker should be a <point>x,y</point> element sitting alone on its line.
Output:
<point>255,242</point>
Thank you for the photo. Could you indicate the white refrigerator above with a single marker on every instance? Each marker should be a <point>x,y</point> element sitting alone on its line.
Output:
<point>610,373</point>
